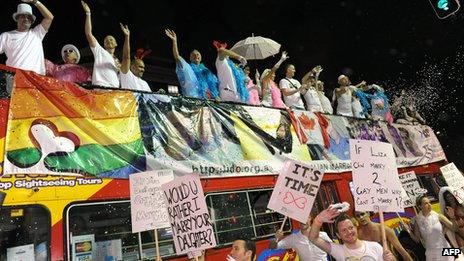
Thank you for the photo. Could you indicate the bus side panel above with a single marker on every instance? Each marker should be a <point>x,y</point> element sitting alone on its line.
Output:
<point>57,251</point>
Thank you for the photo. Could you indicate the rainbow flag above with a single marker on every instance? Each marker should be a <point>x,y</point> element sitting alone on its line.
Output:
<point>60,128</point>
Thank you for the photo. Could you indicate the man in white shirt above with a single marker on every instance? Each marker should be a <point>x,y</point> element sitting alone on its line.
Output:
<point>291,89</point>
<point>23,46</point>
<point>105,65</point>
<point>300,242</point>
<point>131,79</point>
<point>352,248</point>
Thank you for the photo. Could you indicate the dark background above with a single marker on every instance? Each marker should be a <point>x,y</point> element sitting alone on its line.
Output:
<point>397,44</point>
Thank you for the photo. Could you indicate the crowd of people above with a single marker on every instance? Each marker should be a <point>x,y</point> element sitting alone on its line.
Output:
<point>361,239</point>
<point>232,83</point>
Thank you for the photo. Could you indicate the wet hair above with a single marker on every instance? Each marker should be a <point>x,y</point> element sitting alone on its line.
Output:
<point>340,218</point>
<point>249,245</point>
<point>419,201</point>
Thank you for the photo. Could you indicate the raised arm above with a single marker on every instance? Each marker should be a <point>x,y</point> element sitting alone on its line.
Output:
<point>223,53</point>
<point>126,60</point>
<point>391,237</point>
<point>314,72</point>
<point>258,82</point>
<point>276,66</point>
<point>175,51</point>
<point>360,84</point>
<point>327,215</point>
<point>450,224</point>
<point>88,25</point>
<point>47,15</point>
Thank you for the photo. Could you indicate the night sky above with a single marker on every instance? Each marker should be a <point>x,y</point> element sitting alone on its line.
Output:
<point>397,44</point>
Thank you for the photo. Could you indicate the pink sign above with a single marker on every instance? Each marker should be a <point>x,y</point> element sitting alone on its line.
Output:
<point>148,210</point>
<point>295,190</point>
<point>190,221</point>
<point>375,177</point>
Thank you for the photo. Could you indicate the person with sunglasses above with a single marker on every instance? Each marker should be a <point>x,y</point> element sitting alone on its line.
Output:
<point>368,230</point>
<point>352,248</point>
<point>23,46</point>
<point>106,65</point>
<point>70,71</point>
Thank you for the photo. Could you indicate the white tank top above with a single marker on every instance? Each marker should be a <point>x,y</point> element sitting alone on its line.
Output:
<point>344,104</point>
<point>431,231</point>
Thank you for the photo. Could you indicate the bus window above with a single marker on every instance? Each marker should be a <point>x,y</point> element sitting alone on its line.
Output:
<point>109,223</point>
<point>165,242</point>
<point>230,213</point>
<point>243,214</point>
<point>25,233</point>
<point>266,221</point>
<point>326,196</point>
<point>440,180</point>
<point>428,182</point>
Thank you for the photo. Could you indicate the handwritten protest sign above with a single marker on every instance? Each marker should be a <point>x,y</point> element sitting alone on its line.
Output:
<point>455,180</point>
<point>411,188</point>
<point>295,190</point>
<point>190,221</point>
<point>375,177</point>
<point>148,210</point>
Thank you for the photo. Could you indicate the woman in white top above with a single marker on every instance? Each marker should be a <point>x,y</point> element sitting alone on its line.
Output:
<point>428,226</point>
<point>325,102</point>
<point>310,93</point>
<point>106,65</point>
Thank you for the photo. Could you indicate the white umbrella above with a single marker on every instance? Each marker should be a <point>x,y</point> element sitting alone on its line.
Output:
<point>256,48</point>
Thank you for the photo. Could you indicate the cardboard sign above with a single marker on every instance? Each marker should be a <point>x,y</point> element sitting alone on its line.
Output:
<point>375,177</point>
<point>190,221</point>
<point>148,210</point>
<point>295,190</point>
<point>455,180</point>
<point>411,188</point>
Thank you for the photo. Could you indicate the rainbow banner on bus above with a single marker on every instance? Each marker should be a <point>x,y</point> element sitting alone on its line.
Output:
<point>60,128</point>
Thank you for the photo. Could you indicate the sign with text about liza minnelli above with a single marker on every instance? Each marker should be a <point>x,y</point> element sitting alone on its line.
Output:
<point>375,177</point>
<point>295,190</point>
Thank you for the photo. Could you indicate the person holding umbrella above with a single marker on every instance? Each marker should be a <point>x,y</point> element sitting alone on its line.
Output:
<point>195,79</point>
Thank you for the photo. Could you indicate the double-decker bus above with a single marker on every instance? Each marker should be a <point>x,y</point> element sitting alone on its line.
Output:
<point>52,198</point>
